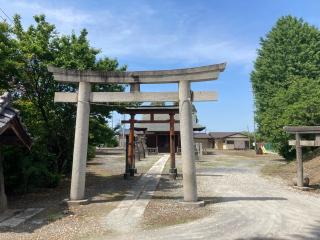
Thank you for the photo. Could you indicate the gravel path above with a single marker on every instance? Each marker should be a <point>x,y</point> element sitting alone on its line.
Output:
<point>128,214</point>
<point>247,206</point>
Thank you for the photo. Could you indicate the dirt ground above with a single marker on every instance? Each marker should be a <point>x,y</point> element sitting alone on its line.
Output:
<point>165,208</point>
<point>242,202</point>
<point>286,170</point>
<point>105,187</point>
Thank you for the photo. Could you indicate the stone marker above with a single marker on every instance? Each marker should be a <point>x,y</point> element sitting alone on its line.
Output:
<point>20,217</point>
<point>298,143</point>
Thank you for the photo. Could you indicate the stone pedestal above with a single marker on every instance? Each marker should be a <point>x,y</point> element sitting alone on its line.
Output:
<point>80,143</point>
<point>173,173</point>
<point>196,204</point>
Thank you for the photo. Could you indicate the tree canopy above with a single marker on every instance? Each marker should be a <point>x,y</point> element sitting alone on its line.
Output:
<point>24,57</point>
<point>286,79</point>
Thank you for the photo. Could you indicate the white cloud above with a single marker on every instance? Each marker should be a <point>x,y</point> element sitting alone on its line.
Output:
<point>137,42</point>
<point>66,17</point>
<point>142,32</point>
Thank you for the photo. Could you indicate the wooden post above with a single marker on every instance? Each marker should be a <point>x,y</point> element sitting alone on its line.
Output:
<point>3,197</point>
<point>131,146</point>
<point>144,146</point>
<point>299,161</point>
<point>127,167</point>
<point>173,169</point>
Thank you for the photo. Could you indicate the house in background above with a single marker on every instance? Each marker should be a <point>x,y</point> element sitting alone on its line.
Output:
<point>157,135</point>
<point>204,138</point>
<point>230,140</point>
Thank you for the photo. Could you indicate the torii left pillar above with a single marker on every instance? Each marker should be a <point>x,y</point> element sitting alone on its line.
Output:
<point>80,143</point>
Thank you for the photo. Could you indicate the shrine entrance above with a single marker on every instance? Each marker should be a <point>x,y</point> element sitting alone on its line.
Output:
<point>184,97</point>
<point>164,141</point>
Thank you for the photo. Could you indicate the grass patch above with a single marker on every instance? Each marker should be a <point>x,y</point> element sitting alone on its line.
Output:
<point>54,216</point>
<point>279,170</point>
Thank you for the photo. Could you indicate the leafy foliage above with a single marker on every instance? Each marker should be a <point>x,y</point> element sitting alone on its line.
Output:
<point>286,79</point>
<point>24,57</point>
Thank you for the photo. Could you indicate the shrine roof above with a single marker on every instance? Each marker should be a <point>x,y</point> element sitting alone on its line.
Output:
<point>12,130</point>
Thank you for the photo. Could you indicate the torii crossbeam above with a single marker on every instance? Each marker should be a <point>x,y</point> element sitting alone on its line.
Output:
<point>184,96</point>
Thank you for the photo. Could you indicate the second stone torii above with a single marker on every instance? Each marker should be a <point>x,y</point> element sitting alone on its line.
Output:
<point>84,97</point>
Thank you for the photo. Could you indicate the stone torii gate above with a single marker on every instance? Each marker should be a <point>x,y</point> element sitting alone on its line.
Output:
<point>185,96</point>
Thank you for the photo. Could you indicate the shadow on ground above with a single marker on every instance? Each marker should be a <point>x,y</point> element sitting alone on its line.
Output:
<point>102,186</point>
<point>312,233</point>
<point>260,238</point>
<point>212,200</point>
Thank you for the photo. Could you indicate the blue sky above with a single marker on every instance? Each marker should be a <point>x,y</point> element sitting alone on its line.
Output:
<point>166,34</point>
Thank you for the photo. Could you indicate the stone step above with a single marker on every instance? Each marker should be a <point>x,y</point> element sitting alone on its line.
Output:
<point>19,217</point>
<point>9,213</point>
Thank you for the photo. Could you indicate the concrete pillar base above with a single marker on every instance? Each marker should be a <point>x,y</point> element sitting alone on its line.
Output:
<point>71,203</point>
<point>132,171</point>
<point>302,188</point>
<point>173,173</point>
<point>126,175</point>
<point>196,204</point>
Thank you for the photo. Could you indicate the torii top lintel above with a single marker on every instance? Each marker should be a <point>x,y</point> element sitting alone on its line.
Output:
<point>204,73</point>
<point>302,129</point>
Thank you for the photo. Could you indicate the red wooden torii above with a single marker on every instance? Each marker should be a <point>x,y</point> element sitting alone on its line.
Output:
<point>152,110</point>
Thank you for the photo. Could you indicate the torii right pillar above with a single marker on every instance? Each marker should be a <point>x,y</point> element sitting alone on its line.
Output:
<point>187,149</point>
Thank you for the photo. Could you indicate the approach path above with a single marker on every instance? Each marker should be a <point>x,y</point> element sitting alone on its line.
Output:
<point>247,206</point>
<point>127,215</point>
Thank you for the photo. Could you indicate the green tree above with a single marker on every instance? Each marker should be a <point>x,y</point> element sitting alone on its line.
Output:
<point>8,52</point>
<point>289,54</point>
<point>51,125</point>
